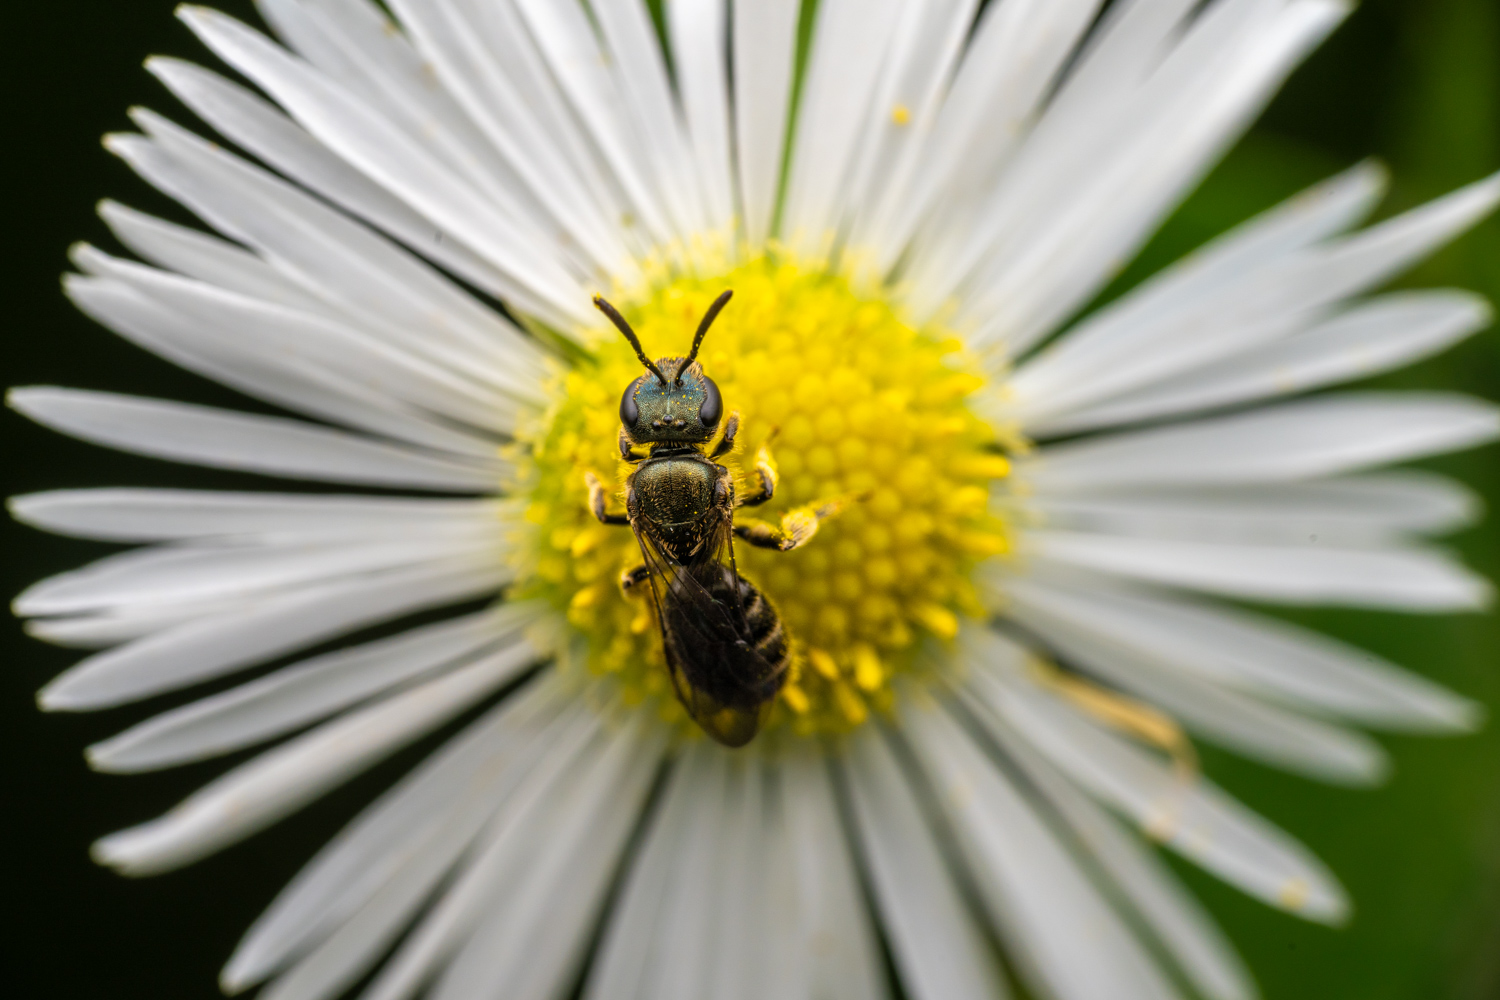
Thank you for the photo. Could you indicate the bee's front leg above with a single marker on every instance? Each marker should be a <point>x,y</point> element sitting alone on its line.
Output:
<point>731,430</point>
<point>766,478</point>
<point>627,448</point>
<point>598,500</point>
<point>796,529</point>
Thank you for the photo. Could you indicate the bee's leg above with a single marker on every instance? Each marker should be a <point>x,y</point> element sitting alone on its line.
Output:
<point>726,443</point>
<point>766,479</point>
<point>797,526</point>
<point>632,578</point>
<point>597,500</point>
<point>627,446</point>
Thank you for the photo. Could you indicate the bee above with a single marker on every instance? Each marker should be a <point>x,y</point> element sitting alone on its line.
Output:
<point>726,649</point>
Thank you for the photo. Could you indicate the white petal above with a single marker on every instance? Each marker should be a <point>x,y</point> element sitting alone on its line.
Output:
<point>537,928</point>
<point>1378,336</point>
<point>351,398</point>
<point>1264,304</point>
<point>1407,579</point>
<point>259,127</point>
<point>1221,715</point>
<point>1264,656</point>
<point>669,888</point>
<point>1014,55</point>
<point>1071,252</point>
<point>566,38</point>
<point>522,863</point>
<point>1202,277</point>
<point>149,515</point>
<point>296,696</point>
<point>201,435</point>
<point>1060,930</point>
<point>937,943</point>
<point>1321,436</point>
<point>281,781</point>
<point>371,284</point>
<point>699,29</point>
<point>478,74</point>
<point>363,887</point>
<point>1358,510</point>
<point>765,44</point>
<point>382,151</point>
<point>1178,921</point>
<point>1193,817</point>
<point>259,630</point>
<point>835,948</point>
<point>850,45</point>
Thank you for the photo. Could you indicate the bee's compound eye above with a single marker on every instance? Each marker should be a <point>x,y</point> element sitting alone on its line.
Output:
<point>713,406</point>
<point>629,411</point>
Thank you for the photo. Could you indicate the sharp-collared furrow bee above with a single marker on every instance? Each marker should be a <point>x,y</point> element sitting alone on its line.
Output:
<point>726,650</point>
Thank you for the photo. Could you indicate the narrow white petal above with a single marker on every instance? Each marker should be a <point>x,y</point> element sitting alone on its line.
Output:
<point>201,435</point>
<point>699,31</point>
<point>1221,715</point>
<point>1179,922</point>
<point>341,910</point>
<point>1193,817</point>
<point>566,38</point>
<point>937,943</point>
<point>345,395</point>
<point>260,630</point>
<point>301,694</point>
<point>256,125</point>
<point>281,781</point>
<point>1262,656</point>
<point>167,574</point>
<point>1371,509</point>
<point>850,45</point>
<point>1014,55</point>
<point>1265,304</point>
<point>1408,579</point>
<point>1321,436</point>
<point>835,948</point>
<point>1060,930</point>
<point>1378,336</point>
<point>765,47</point>
<point>382,151</point>
<point>152,515</point>
<point>1056,260</point>
<point>369,282</point>
<point>1315,214</point>
<point>522,864</point>
<point>531,940</point>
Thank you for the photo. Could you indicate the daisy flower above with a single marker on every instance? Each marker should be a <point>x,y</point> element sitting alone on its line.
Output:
<point>997,655</point>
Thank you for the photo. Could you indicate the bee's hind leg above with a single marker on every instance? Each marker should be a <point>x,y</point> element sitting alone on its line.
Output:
<point>797,526</point>
<point>632,578</point>
<point>598,500</point>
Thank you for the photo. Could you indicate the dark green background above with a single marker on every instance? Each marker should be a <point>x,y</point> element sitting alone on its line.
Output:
<point>1415,83</point>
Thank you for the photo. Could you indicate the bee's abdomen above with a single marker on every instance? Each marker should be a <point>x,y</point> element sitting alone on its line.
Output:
<point>766,633</point>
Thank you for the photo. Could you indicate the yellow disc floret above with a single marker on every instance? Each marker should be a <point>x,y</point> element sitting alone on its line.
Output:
<point>855,405</point>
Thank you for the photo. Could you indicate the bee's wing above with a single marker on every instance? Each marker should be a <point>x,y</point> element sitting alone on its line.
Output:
<point>714,629</point>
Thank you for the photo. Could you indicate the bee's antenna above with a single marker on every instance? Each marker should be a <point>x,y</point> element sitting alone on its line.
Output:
<point>708,321</point>
<point>619,321</point>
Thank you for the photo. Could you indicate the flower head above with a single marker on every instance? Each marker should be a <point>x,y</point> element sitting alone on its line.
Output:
<point>963,556</point>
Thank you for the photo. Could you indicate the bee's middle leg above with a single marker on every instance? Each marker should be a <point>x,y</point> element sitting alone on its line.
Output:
<point>598,499</point>
<point>632,578</point>
<point>796,529</point>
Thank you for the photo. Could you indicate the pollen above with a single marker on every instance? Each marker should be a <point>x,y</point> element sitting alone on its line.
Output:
<point>856,406</point>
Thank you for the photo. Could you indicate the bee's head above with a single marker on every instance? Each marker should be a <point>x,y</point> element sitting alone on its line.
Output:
<point>674,401</point>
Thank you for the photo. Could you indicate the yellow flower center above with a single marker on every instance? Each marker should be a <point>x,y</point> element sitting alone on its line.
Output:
<point>854,404</point>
